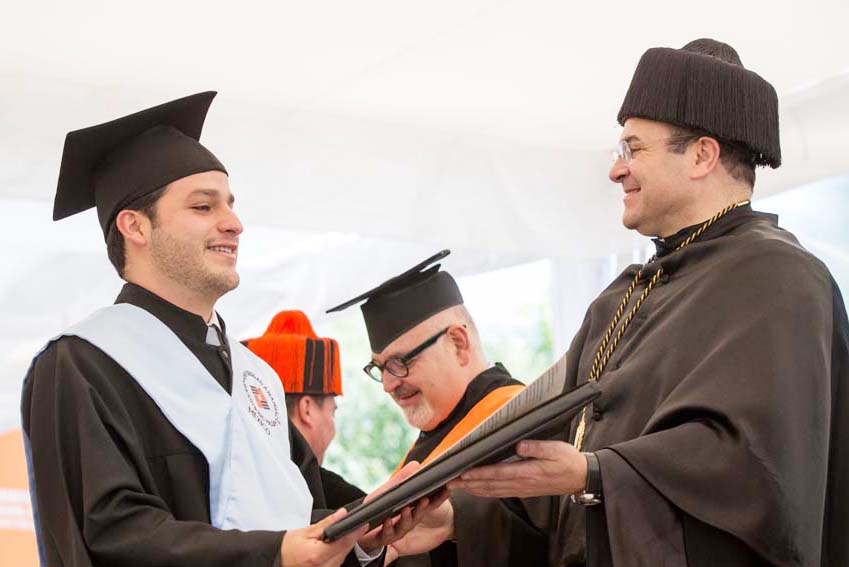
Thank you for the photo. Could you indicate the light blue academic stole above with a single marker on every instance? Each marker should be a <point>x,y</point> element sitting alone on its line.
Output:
<point>253,483</point>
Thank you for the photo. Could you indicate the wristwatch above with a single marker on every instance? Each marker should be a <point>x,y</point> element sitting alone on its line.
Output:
<point>591,495</point>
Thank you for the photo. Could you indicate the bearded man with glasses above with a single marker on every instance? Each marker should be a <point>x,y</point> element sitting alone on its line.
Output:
<point>427,354</point>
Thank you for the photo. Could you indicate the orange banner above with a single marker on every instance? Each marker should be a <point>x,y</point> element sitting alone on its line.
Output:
<point>17,535</point>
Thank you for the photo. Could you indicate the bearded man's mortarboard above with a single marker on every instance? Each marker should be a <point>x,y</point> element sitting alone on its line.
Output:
<point>399,304</point>
<point>110,165</point>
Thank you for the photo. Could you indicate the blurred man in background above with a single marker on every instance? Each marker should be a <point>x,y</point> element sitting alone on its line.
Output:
<point>309,369</point>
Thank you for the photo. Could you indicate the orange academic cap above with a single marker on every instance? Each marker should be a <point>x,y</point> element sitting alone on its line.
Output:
<point>306,364</point>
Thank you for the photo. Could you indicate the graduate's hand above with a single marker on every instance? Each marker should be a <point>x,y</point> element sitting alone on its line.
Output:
<point>304,547</point>
<point>402,526</point>
<point>436,526</point>
<point>550,468</point>
<point>398,526</point>
<point>406,472</point>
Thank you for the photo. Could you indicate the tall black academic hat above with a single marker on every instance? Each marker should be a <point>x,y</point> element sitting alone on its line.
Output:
<point>397,305</point>
<point>112,164</point>
<point>704,85</point>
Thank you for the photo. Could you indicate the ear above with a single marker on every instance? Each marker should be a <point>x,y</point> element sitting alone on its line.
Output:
<point>305,408</point>
<point>459,337</point>
<point>134,227</point>
<point>705,156</point>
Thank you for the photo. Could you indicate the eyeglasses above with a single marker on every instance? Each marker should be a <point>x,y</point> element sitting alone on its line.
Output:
<point>398,365</point>
<point>624,152</point>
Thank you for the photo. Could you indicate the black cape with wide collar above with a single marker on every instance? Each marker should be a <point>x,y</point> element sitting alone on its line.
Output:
<point>727,393</point>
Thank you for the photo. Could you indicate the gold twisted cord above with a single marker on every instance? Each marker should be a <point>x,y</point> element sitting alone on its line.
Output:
<point>622,305</point>
<point>604,353</point>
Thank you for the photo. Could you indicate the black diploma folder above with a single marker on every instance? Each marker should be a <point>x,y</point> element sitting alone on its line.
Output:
<point>543,421</point>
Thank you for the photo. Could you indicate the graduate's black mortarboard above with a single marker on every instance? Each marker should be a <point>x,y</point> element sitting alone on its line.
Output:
<point>112,164</point>
<point>704,85</point>
<point>397,305</point>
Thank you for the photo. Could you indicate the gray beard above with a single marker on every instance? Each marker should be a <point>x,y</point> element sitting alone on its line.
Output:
<point>419,415</point>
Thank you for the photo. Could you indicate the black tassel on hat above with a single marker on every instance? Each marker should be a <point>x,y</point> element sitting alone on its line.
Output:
<point>704,85</point>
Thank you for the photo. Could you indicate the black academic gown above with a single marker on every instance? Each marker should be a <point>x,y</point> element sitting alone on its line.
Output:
<point>513,540</point>
<point>338,492</point>
<point>328,489</point>
<point>723,426</point>
<point>116,483</point>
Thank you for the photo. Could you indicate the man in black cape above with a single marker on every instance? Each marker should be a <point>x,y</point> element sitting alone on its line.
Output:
<point>721,434</point>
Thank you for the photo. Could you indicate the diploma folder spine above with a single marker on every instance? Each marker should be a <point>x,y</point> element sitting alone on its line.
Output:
<point>543,421</point>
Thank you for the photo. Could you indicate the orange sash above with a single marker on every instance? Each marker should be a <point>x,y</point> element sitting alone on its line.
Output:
<point>479,412</point>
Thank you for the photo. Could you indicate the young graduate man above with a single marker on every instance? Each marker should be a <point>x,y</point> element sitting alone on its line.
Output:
<point>720,437</point>
<point>308,367</point>
<point>428,355</point>
<point>152,438</point>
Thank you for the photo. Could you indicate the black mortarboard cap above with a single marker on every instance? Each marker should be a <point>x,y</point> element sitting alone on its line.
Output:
<point>112,164</point>
<point>704,85</point>
<point>397,305</point>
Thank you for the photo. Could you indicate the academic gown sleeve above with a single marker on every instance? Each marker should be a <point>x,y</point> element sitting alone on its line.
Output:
<point>649,530</point>
<point>490,532</point>
<point>97,500</point>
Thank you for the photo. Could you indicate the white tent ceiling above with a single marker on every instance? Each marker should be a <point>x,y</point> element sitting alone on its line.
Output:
<point>488,121</point>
